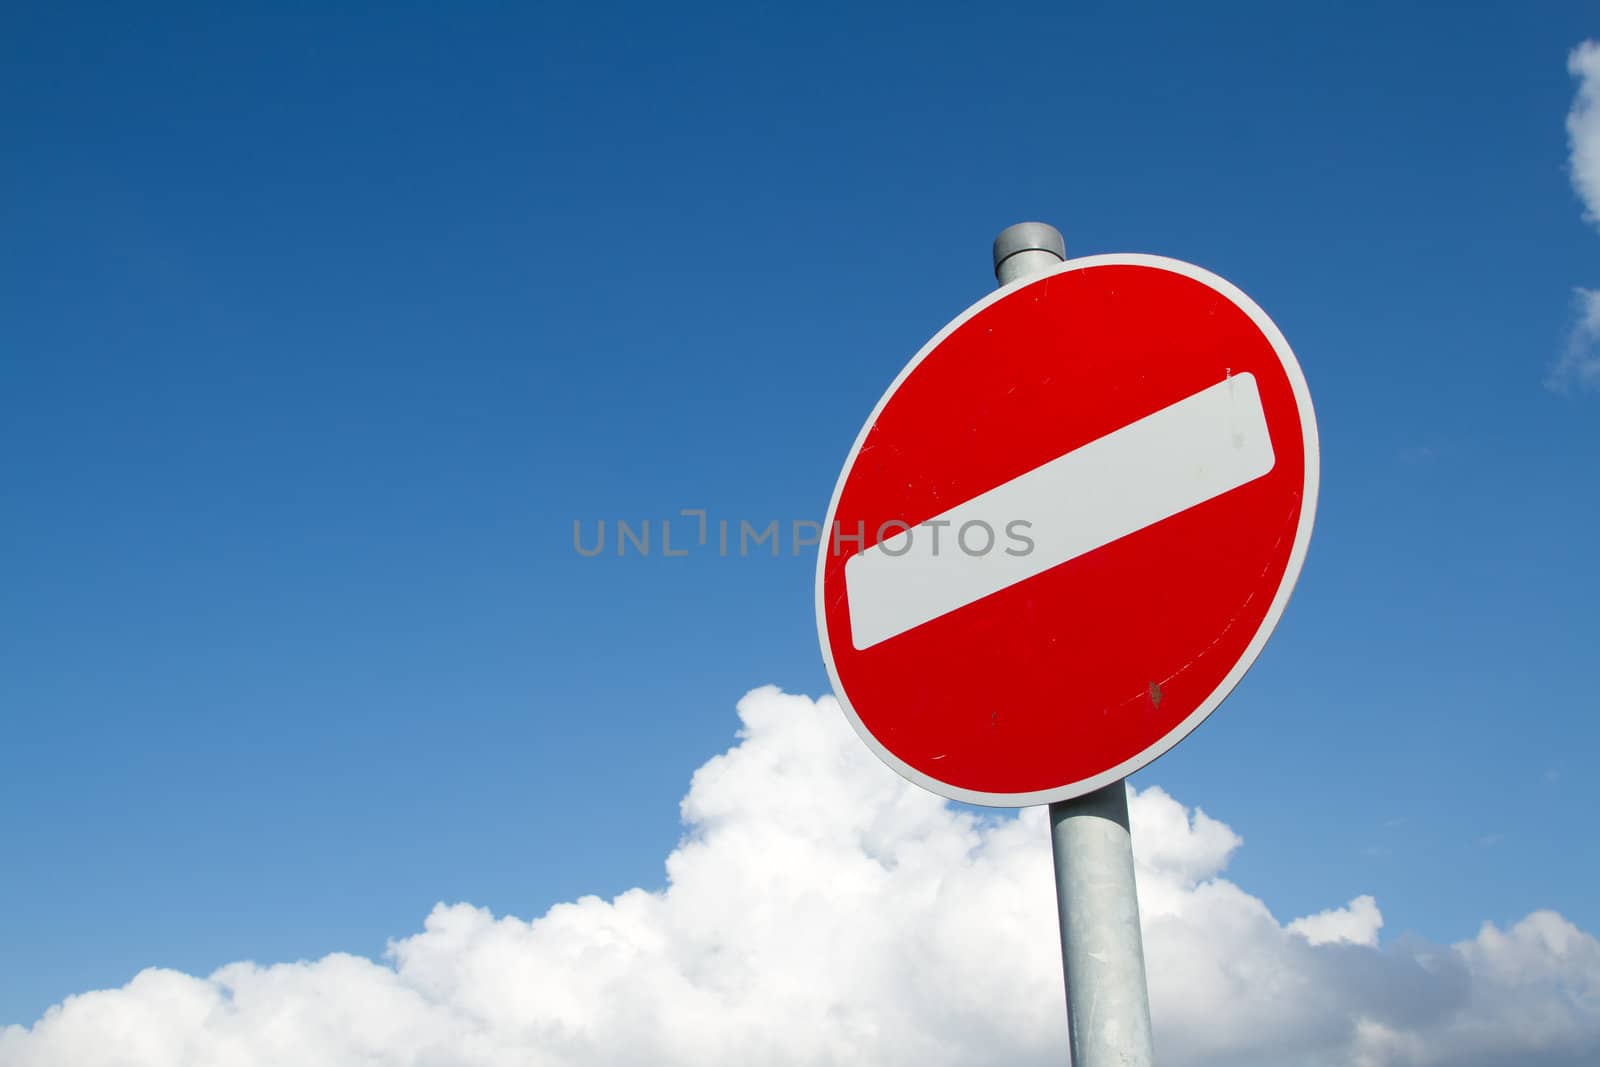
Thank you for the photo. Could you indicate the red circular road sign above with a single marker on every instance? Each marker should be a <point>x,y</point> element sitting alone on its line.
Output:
<point>1067,530</point>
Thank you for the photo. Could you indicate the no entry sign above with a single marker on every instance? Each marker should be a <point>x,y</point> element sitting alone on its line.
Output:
<point>1067,530</point>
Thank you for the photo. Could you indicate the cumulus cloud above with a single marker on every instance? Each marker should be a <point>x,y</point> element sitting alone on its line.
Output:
<point>1579,364</point>
<point>1357,923</point>
<point>821,911</point>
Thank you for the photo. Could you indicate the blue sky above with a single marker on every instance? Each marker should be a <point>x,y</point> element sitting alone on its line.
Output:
<point>321,328</point>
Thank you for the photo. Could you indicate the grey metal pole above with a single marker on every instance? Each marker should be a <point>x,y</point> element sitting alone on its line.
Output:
<point>1026,249</point>
<point>1102,949</point>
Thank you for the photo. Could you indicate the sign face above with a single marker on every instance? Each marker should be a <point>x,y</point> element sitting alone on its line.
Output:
<point>1067,530</point>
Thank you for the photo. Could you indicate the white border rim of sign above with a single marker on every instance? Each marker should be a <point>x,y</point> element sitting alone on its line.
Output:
<point>1291,574</point>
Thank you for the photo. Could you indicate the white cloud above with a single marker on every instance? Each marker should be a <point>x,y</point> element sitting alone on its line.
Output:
<point>1357,923</point>
<point>1583,127</point>
<point>821,911</point>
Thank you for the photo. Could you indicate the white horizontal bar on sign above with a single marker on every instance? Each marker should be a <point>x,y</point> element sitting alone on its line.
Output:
<point>1199,448</point>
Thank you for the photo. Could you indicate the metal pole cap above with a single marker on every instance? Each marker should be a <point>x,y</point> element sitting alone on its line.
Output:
<point>1028,237</point>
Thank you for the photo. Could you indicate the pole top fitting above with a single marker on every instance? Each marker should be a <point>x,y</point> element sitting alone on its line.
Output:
<point>1027,237</point>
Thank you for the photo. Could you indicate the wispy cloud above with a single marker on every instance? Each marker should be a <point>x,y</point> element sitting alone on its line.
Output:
<point>821,911</point>
<point>1583,127</point>
<point>1579,364</point>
